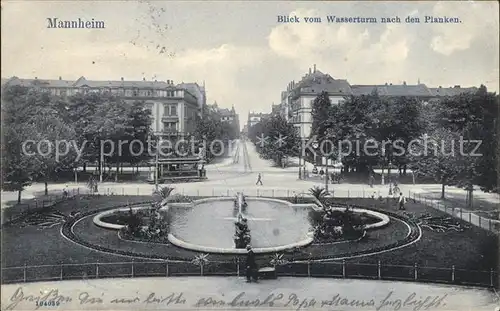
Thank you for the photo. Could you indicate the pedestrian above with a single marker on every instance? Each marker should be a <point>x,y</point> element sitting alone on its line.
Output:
<point>65,192</point>
<point>401,201</point>
<point>251,266</point>
<point>259,179</point>
<point>370,180</point>
<point>315,170</point>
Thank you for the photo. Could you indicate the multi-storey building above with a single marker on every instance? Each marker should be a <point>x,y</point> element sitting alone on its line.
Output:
<point>254,118</point>
<point>228,116</point>
<point>174,108</point>
<point>296,101</point>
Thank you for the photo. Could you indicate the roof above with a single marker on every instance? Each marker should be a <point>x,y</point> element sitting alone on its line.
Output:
<point>420,90</point>
<point>81,82</point>
<point>39,82</point>
<point>258,114</point>
<point>192,87</point>
<point>451,91</point>
<point>225,112</point>
<point>121,83</point>
<point>317,82</point>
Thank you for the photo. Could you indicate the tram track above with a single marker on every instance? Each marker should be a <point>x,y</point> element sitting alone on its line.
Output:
<point>246,158</point>
<point>236,156</point>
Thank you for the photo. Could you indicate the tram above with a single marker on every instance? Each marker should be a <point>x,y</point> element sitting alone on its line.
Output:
<point>181,169</point>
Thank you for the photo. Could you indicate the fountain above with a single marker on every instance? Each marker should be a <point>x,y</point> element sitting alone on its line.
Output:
<point>223,224</point>
<point>242,236</point>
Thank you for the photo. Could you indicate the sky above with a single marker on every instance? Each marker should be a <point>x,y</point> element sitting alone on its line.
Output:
<point>246,57</point>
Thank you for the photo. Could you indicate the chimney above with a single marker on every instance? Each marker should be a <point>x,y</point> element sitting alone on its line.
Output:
<point>404,82</point>
<point>143,79</point>
<point>314,67</point>
<point>60,78</point>
<point>457,86</point>
<point>440,86</point>
<point>122,78</point>
<point>309,70</point>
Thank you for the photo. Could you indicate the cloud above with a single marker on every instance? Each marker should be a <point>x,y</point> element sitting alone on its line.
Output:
<point>475,20</point>
<point>249,68</point>
<point>349,48</point>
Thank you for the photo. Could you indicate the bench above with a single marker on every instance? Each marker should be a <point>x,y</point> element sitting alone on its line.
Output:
<point>267,273</point>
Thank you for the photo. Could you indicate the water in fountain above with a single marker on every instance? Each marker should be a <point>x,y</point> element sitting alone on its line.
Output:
<point>211,223</point>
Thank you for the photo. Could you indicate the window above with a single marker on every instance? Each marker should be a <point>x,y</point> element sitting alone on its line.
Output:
<point>170,109</point>
<point>136,92</point>
<point>170,126</point>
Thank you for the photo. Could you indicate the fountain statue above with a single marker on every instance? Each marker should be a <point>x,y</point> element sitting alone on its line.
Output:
<point>242,236</point>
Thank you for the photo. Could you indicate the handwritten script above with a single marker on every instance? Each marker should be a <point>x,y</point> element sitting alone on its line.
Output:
<point>292,301</point>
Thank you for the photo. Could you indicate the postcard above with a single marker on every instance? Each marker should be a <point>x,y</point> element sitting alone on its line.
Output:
<point>250,155</point>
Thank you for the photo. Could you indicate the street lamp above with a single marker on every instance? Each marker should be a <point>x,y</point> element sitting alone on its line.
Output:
<point>300,157</point>
<point>158,142</point>
<point>101,156</point>
<point>315,145</point>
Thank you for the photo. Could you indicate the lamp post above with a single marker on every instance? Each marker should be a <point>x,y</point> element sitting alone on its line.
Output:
<point>156,163</point>
<point>300,157</point>
<point>101,162</point>
<point>315,145</point>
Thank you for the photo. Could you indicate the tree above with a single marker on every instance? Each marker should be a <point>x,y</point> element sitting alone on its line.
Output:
<point>138,129</point>
<point>210,128</point>
<point>17,168</point>
<point>30,119</point>
<point>281,139</point>
<point>439,157</point>
<point>355,120</point>
<point>80,110</point>
<point>321,108</point>
<point>475,117</point>
<point>58,154</point>
<point>108,125</point>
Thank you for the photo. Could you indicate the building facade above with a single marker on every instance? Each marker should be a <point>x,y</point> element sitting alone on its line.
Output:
<point>296,101</point>
<point>254,118</point>
<point>174,108</point>
<point>229,117</point>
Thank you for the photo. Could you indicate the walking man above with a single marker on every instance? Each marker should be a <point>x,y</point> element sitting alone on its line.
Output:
<point>251,266</point>
<point>259,179</point>
<point>401,201</point>
<point>65,192</point>
<point>370,180</point>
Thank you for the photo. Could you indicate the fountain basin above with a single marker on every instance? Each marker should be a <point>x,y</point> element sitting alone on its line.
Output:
<point>207,225</point>
<point>98,219</point>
